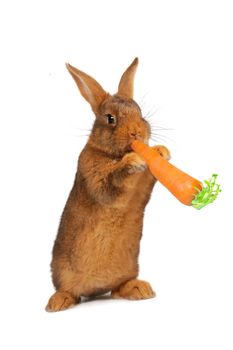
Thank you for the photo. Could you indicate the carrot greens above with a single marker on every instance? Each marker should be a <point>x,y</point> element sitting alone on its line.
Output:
<point>207,194</point>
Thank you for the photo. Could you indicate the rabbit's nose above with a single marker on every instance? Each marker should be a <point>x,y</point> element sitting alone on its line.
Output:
<point>135,134</point>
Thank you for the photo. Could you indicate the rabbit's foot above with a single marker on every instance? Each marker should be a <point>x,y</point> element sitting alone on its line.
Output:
<point>60,301</point>
<point>134,290</point>
<point>163,151</point>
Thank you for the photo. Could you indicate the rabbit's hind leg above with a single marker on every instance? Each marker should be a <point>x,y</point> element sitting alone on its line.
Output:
<point>66,295</point>
<point>134,290</point>
<point>61,300</point>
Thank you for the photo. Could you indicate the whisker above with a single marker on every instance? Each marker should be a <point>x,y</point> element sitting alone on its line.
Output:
<point>161,137</point>
<point>151,113</point>
<point>143,100</point>
<point>81,129</point>
<point>158,139</point>
<point>157,121</point>
<point>156,127</point>
<point>85,135</point>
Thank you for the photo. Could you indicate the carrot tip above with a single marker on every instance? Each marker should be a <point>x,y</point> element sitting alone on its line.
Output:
<point>207,194</point>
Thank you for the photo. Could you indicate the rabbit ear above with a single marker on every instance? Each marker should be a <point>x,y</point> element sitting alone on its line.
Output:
<point>89,88</point>
<point>127,80</point>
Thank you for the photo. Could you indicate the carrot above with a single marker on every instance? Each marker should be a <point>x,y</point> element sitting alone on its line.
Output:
<point>184,187</point>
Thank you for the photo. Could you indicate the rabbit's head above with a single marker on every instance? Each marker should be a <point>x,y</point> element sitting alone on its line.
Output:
<point>118,119</point>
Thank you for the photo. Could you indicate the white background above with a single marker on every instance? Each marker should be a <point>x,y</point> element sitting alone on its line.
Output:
<point>185,73</point>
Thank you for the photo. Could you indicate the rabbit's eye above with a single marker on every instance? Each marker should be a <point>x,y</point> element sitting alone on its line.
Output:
<point>111,119</point>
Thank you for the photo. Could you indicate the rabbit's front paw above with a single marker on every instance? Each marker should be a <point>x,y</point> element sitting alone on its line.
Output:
<point>134,163</point>
<point>163,151</point>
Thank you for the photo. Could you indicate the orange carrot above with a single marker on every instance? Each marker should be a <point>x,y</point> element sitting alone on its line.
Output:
<point>184,187</point>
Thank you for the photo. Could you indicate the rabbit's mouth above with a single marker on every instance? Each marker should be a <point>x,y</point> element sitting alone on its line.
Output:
<point>142,139</point>
<point>128,148</point>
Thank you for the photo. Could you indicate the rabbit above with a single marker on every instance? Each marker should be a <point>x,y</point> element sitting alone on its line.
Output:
<point>97,245</point>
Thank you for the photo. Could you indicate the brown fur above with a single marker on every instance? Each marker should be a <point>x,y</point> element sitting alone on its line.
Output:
<point>97,245</point>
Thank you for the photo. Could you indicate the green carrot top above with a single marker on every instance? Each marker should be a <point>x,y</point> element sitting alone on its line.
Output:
<point>208,193</point>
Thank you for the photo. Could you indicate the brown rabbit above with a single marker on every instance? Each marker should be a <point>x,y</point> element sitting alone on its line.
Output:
<point>97,245</point>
